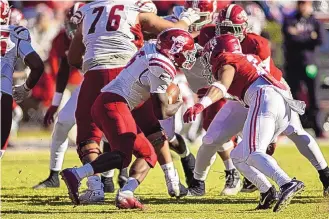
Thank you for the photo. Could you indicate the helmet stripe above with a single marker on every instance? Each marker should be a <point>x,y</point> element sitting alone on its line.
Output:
<point>229,10</point>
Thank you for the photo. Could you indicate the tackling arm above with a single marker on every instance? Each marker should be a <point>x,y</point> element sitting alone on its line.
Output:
<point>34,62</point>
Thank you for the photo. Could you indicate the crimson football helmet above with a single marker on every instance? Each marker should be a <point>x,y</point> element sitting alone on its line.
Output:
<point>234,20</point>
<point>218,45</point>
<point>178,46</point>
<point>70,28</point>
<point>205,8</point>
<point>4,12</point>
<point>17,18</point>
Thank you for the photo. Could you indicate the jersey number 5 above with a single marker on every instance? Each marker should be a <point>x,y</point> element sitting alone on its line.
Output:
<point>113,21</point>
<point>3,42</point>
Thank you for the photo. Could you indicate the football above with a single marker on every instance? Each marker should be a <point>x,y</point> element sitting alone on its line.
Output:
<point>172,93</point>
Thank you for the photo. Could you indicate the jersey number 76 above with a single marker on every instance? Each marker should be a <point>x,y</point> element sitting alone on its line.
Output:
<point>113,19</point>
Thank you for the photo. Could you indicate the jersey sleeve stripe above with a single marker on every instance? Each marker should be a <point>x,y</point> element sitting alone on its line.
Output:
<point>163,67</point>
<point>169,65</point>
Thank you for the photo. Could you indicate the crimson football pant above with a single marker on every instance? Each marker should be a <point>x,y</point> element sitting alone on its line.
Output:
<point>113,116</point>
<point>6,119</point>
<point>93,82</point>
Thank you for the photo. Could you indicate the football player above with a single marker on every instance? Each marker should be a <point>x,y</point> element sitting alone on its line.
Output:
<point>233,20</point>
<point>270,108</point>
<point>107,37</point>
<point>15,43</point>
<point>148,73</point>
<point>66,119</point>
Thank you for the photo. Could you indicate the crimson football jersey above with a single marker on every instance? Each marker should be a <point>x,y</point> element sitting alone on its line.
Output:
<point>252,44</point>
<point>248,69</point>
<point>60,46</point>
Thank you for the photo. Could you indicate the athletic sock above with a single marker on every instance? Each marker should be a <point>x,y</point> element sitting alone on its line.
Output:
<point>131,185</point>
<point>85,171</point>
<point>228,164</point>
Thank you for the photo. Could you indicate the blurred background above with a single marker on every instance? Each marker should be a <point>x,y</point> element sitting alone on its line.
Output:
<point>310,81</point>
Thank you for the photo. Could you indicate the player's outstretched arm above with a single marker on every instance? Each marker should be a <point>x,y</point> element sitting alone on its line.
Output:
<point>216,91</point>
<point>161,106</point>
<point>76,50</point>
<point>152,23</point>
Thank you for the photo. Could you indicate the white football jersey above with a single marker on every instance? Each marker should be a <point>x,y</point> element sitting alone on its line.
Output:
<point>15,43</point>
<point>147,72</point>
<point>106,29</point>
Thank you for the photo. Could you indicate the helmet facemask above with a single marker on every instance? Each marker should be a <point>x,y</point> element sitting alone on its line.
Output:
<point>189,58</point>
<point>205,18</point>
<point>206,72</point>
<point>227,27</point>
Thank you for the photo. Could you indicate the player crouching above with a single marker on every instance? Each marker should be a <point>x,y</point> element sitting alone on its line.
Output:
<point>149,73</point>
<point>270,109</point>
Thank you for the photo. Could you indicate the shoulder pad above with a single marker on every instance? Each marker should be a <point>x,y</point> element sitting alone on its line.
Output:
<point>21,33</point>
<point>162,64</point>
<point>146,6</point>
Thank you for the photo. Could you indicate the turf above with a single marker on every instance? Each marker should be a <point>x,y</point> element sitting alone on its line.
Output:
<point>23,169</point>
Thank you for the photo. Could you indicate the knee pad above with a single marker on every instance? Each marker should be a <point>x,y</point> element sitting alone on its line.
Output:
<point>179,145</point>
<point>87,147</point>
<point>237,155</point>
<point>157,138</point>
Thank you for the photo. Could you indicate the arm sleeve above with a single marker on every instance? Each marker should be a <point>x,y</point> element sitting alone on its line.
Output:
<point>321,33</point>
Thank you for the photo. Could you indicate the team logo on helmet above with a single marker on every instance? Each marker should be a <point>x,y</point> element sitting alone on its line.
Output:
<point>242,16</point>
<point>178,44</point>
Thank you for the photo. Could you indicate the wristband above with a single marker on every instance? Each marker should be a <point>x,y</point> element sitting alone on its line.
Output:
<point>25,87</point>
<point>205,101</point>
<point>57,99</point>
<point>221,87</point>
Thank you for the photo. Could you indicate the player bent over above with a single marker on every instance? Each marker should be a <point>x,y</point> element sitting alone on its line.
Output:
<point>269,115</point>
<point>15,43</point>
<point>149,73</point>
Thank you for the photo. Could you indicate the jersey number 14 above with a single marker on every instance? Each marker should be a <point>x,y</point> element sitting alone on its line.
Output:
<point>113,19</point>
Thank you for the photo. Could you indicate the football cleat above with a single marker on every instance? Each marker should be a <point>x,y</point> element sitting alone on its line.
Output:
<point>248,187</point>
<point>126,200</point>
<point>188,164</point>
<point>51,182</point>
<point>108,184</point>
<point>72,182</point>
<point>232,184</point>
<point>95,192</point>
<point>267,199</point>
<point>324,178</point>
<point>287,192</point>
<point>197,188</point>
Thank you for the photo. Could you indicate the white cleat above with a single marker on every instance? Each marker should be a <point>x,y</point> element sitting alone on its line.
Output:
<point>174,187</point>
<point>95,192</point>
<point>232,184</point>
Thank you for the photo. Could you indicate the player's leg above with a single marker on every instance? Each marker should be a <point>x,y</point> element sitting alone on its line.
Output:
<point>152,129</point>
<point>59,141</point>
<point>111,113</point>
<point>308,147</point>
<point>88,134</point>
<point>227,123</point>
<point>177,144</point>
<point>6,120</point>
<point>107,177</point>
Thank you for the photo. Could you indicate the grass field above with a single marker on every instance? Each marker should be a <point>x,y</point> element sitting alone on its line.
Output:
<point>23,169</point>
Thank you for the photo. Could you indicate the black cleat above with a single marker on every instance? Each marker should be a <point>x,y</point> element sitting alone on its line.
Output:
<point>108,184</point>
<point>197,188</point>
<point>267,199</point>
<point>232,183</point>
<point>287,192</point>
<point>51,182</point>
<point>248,187</point>
<point>123,177</point>
<point>324,177</point>
<point>188,163</point>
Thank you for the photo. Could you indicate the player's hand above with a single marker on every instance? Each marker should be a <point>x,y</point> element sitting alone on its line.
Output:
<point>49,117</point>
<point>189,16</point>
<point>20,92</point>
<point>192,112</point>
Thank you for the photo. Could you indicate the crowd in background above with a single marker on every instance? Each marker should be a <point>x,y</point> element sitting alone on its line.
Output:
<point>45,19</point>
